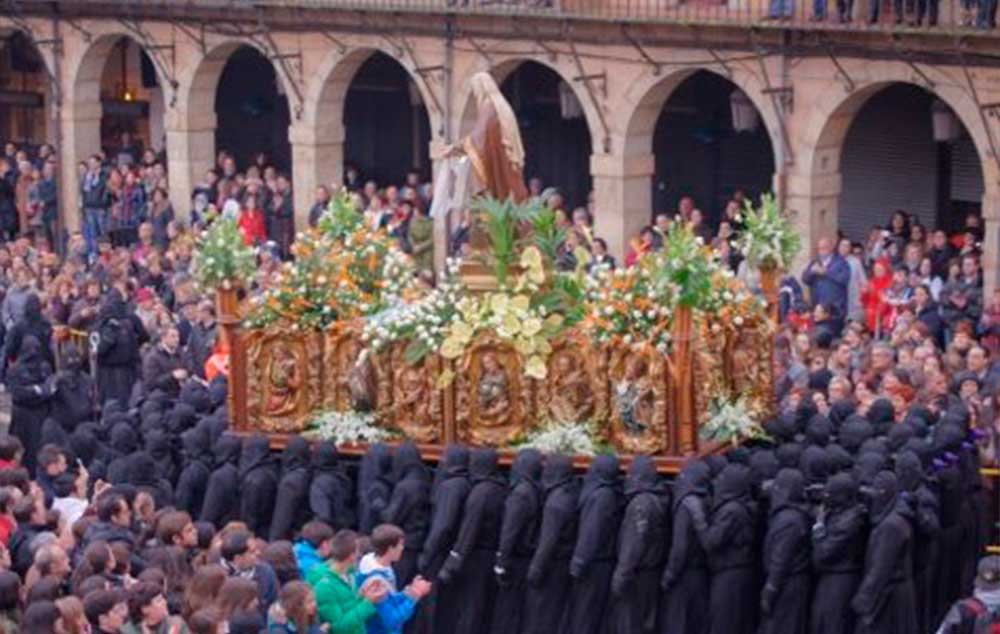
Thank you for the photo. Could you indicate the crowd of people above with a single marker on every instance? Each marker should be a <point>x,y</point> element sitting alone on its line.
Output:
<point>125,506</point>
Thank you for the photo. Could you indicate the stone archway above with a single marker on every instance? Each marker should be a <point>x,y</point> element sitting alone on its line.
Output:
<point>25,70</point>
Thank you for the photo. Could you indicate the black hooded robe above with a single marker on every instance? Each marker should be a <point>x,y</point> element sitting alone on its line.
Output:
<point>118,361</point>
<point>330,492</point>
<point>926,532</point>
<point>786,593</point>
<point>593,558</point>
<point>409,508</point>
<point>838,554</point>
<point>642,545</point>
<point>470,563</point>
<point>144,477</point>
<point>685,579</point>
<point>222,495</point>
<point>73,402</point>
<point>518,538</point>
<point>193,480</point>
<point>31,324</point>
<point>258,485</point>
<point>374,486</point>
<point>30,393</point>
<point>124,442</point>
<point>291,508</point>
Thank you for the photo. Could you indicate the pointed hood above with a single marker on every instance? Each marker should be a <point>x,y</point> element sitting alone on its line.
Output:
<point>142,470</point>
<point>764,466</point>
<point>840,411</point>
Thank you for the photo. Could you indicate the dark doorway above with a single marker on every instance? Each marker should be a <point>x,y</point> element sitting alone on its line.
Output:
<point>23,87</point>
<point>554,131</point>
<point>252,112</point>
<point>699,153</point>
<point>386,124</point>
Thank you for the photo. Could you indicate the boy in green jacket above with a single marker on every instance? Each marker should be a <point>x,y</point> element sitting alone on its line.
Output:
<point>339,602</point>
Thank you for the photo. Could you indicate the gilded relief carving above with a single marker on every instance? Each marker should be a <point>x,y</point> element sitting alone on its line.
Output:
<point>417,407</point>
<point>284,379</point>
<point>639,411</point>
<point>493,400</point>
<point>574,391</point>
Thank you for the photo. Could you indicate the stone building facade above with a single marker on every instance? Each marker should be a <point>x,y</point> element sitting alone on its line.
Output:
<point>807,83</point>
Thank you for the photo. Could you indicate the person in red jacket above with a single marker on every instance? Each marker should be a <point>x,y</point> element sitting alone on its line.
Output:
<point>878,312</point>
<point>251,221</point>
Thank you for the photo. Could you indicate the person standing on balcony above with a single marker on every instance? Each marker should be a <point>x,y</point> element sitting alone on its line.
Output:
<point>783,10</point>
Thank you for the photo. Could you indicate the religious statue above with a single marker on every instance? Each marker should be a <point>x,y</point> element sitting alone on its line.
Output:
<point>361,381</point>
<point>413,402</point>
<point>571,399</point>
<point>493,389</point>
<point>284,380</point>
<point>634,397</point>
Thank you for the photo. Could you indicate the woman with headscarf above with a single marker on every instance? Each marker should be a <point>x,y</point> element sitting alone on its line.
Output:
<point>118,362</point>
<point>593,560</point>
<point>409,507</point>
<point>30,386</point>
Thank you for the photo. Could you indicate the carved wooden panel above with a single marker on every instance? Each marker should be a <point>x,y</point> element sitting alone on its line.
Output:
<point>494,403</point>
<point>353,378</point>
<point>576,388</point>
<point>710,373</point>
<point>639,400</point>
<point>284,378</point>
<point>748,365</point>
<point>415,404</point>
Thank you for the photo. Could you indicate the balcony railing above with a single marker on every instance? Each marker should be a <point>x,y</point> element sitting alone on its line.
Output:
<point>969,16</point>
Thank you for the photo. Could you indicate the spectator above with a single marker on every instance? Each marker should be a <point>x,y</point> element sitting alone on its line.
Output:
<point>340,604</point>
<point>827,276</point>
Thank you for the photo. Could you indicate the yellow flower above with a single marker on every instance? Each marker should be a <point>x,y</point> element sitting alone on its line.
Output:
<point>531,260</point>
<point>452,348</point>
<point>542,346</point>
<point>525,347</point>
<point>510,325</point>
<point>535,368</point>
<point>444,379</point>
<point>520,303</point>
<point>461,332</point>
<point>553,321</point>
<point>499,303</point>
<point>531,326</point>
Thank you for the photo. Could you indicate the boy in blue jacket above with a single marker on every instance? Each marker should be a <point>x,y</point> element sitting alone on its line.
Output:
<point>313,546</point>
<point>376,567</point>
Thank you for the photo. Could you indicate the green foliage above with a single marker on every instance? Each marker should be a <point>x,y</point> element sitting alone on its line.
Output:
<point>500,219</point>
<point>685,265</point>
<point>341,217</point>
<point>768,238</point>
<point>546,232</point>
<point>221,256</point>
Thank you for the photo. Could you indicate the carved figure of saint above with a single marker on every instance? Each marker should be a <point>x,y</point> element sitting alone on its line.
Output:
<point>492,391</point>
<point>284,379</point>
<point>414,401</point>
<point>634,396</point>
<point>361,382</point>
<point>571,399</point>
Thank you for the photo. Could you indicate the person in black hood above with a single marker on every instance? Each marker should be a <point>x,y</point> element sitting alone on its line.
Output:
<point>197,396</point>
<point>30,386</point>
<point>838,458</point>
<point>899,435</point>
<point>118,362</point>
<point>180,418</point>
<point>867,466</point>
<point>469,565</point>
<point>838,553</point>
<point>548,572</point>
<point>522,515</point>
<point>881,415</point>
<point>330,491</point>
<point>840,411</point>
<point>222,494</point>
<point>374,486</point>
<point>85,446</point>
<point>729,537</point>
<point>291,507</point>
<point>784,601</point>
<point>947,445</point>
<point>258,485</point>
<point>926,533</point>
<point>855,431</point>
<point>642,544</point>
<point>124,442</point>
<point>409,507</point>
<point>818,431</point>
<point>143,475</point>
<point>31,324</point>
<point>763,466</point>
<point>815,467</point>
<point>789,455</point>
<point>193,480</point>
<point>685,579</point>
<point>594,555</point>
<point>157,443</point>
<point>73,402</point>
<point>449,495</point>
<point>884,601</point>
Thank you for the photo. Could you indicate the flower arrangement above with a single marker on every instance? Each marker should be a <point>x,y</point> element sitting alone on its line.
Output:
<point>685,265</point>
<point>562,438</point>
<point>221,256</point>
<point>342,270</point>
<point>768,239</point>
<point>347,428</point>
<point>732,421</point>
<point>628,306</point>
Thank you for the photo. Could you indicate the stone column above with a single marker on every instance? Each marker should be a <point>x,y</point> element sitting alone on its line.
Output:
<point>317,159</point>
<point>623,197</point>
<point>81,133</point>
<point>991,244</point>
<point>813,203</point>
<point>190,153</point>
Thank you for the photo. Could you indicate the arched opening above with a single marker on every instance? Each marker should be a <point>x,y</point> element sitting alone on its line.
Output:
<point>906,149</point>
<point>709,142</point>
<point>131,103</point>
<point>387,130</point>
<point>554,131</point>
<point>24,91</point>
<point>252,112</point>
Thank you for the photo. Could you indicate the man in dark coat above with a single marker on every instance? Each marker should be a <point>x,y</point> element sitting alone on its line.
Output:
<point>258,485</point>
<point>374,486</point>
<point>784,601</point>
<point>330,492</point>
<point>642,545</point>
<point>838,554</point>
<point>31,324</point>
<point>222,495</point>
<point>30,386</point>
<point>729,538</point>
<point>685,579</point>
<point>193,480</point>
<point>73,401</point>
<point>449,495</point>
<point>522,515</point>
<point>291,508</point>
<point>884,601</point>
<point>593,560</point>
<point>121,335</point>
<point>926,533</point>
<point>409,508</point>
<point>163,368</point>
<point>470,563</point>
